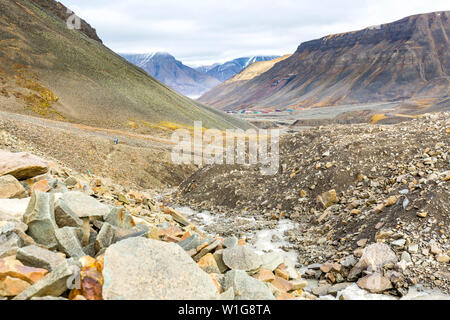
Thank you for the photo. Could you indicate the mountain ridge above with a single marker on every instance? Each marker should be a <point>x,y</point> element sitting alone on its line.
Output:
<point>167,69</point>
<point>399,60</point>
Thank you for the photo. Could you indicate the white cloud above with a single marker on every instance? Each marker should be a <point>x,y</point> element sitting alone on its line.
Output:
<point>205,31</point>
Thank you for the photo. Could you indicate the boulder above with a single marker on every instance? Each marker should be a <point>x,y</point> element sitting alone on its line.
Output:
<point>105,237</point>
<point>13,237</point>
<point>11,287</point>
<point>375,257</point>
<point>10,188</point>
<point>230,242</point>
<point>38,257</point>
<point>65,217</point>
<point>145,269</point>
<point>15,269</point>
<point>374,283</point>
<point>327,199</point>
<point>242,258</point>
<point>54,284</point>
<point>40,219</point>
<point>271,261</point>
<point>118,217</point>
<point>13,209</point>
<point>246,287</point>
<point>83,205</point>
<point>21,165</point>
<point>69,241</point>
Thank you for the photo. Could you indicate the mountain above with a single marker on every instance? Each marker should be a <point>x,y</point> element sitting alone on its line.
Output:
<point>394,61</point>
<point>229,69</point>
<point>173,73</point>
<point>50,71</point>
<point>252,71</point>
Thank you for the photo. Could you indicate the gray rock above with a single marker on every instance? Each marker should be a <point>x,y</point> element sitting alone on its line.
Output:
<point>230,242</point>
<point>37,257</point>
<point>191,243</point>
<point>10,241</point>
<point>119,218</point>
<point>65,217</point>
<point>271,261</point>
<point>218,256</point>
<point>144,269</point>
<point>84,206</point>
<point>227,295</point>
<point>321,290</point>
<point>54,284</point>
<point>246,287</point>
<point>374,257</point>
<point>40,219</point>
<point>69,241</point>
<point>242,258</point>
<point>338,287</point>
<point>105,237</point>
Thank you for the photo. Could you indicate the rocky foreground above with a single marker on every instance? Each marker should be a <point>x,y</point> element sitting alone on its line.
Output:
<point>66,235</point>
<point>350,189</point>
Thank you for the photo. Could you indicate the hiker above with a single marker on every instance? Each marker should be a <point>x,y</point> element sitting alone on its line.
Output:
<point>116,141</point>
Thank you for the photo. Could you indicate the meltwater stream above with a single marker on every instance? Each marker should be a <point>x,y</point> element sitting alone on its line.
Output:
<point>263,241</point>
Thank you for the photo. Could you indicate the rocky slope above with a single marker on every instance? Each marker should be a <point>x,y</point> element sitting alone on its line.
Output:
<point>403,59</point>
<point>51,71</point>
<point>229,69</point>
<point>347,187</point>
<point>174,73</point>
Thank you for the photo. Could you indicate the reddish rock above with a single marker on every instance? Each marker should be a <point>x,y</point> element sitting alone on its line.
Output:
<point>21,165</point>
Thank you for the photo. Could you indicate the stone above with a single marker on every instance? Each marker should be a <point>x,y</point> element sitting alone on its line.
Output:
<point>282,273</point>
<point>338,287</point>
<point>399,243</point>
<point>379,208</point>
<point>282,284</point>
<point>105,237</point>
<point>422,214</point>
<point>374,256</point>
<point>10,188</point>
<point>208,264</point>
<point>13,209</point>
<point>303,193</point>
<point>218,255</point>
<point>299,284</point>
<point>15,269</point>
<point>242,258</point>
<point>40,219</point>
<point>209,248</point>
<point>65,217</point>
<point>118,217</point>
<point>327,267</point>
<point>178,217</point>
<point>374,283</point>
<point>11,287</point>
<point>284,296</point>
<point>145,269</point>
<point>413,248</point>
<point>38,257</point>
<point>54,284</point>
<point>71,181</point>
<point>246,287</point>
<point>353,292</point>
<point>21,165</point>
<point>271,261</point>
<point>355,212</point>
<point>443,258</point>
<point>227,295</point>
<point>362,242</point>
<point>84,206</point>
<point>41,185</point>
<point>327,199</point>
<point>391,201</point>
<point>434,249</point>
<point>230,242</point>
<point>265,275</point>
<point>191,243</point>
<point>321,290</point>
<point>69,241</point>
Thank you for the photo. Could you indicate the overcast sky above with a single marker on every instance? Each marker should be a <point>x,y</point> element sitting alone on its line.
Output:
<point>200,32</point>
